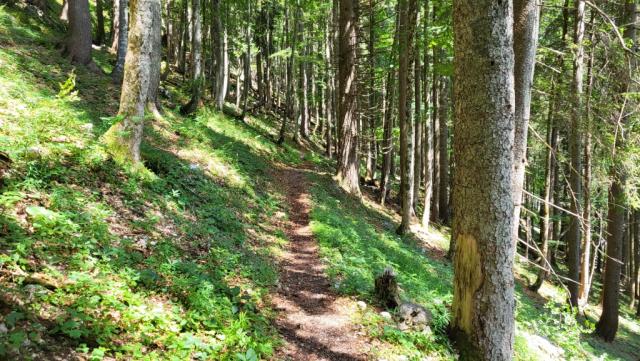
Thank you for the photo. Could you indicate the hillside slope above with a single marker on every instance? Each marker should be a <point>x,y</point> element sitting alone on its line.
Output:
<point>180,261</point>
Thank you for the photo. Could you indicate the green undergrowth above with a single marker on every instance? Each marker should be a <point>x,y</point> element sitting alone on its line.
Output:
<point>357,242</point>
<point>99,260</point>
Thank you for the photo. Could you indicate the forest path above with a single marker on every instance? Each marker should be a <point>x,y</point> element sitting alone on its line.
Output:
<point>313,320</point>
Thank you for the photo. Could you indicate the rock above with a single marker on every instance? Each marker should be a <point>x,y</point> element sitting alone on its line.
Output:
<point>544,347</point>
<point>412,316</point>
<point>386,315</point>
<point>3,328</point>
<point>386,289</point>
<point>361,305</point>
<point>87,127</point>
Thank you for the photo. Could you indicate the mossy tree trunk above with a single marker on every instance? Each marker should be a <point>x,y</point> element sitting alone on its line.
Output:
<point>483,306</point>
<point>141,80</point>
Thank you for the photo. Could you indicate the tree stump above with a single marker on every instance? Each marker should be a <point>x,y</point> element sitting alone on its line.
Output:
<point>386,289</point>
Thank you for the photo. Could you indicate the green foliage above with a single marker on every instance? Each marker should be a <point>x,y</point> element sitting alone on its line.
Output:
<point>358,243</point>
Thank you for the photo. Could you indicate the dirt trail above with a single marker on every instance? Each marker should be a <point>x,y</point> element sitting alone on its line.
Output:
<point>314,322</point>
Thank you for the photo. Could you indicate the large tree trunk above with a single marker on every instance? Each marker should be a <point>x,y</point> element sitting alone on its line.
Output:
<point>196,59</point>
<point>78,47</point>
<point>574,236</point>
<point>141,80</point>
<point>483,306</point>
<point>347,79</point>
<point>607,326</point>
<point>407,10</point>
<point>123,39</point>
<point>525,41</point>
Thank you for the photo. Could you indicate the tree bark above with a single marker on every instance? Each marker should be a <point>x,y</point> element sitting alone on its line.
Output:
<point>574,236</point>
<point>546,231</point>
<point>196,59</point>
<point>525,42</point>
<point>427,142</point>
<point>78,47</point>
<point>347,77</point>
<point>99,22</point>
<point>585,258</point>
<point>141,80</point>
<point>483,306</point>
<point>417,126</point>
<point>407,11</point>
<point>123,40</point>
<point>443,153</point>
<point>607,326</point>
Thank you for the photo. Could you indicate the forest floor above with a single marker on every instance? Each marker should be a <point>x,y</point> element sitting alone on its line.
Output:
<point>228,247</point>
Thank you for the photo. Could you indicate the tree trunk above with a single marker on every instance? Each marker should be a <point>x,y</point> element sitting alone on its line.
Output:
<point>483,306</point>
<point>373,110</point>
<point>221,55</point>
<point>292,39</point>
<point>123,40</point>
<point>329,91</point>
<point>347,93</point>
<point>546,231</point>
<point>407,10</point>
<point>64,13</point>
<point>141,79</point>
<point>196,59</point>
<point>78,47</point>
<point>387,138</point>
<point>427,139</point>
<point>585,258</point>
<point>303,80</point>
<point>247,66</point>
<point>607,326</point>
<point>99,22</point>
<point>115,26</point>
<point>525,42</point>
<point>443,153</point>
<point>417,126</point>
<point>574,237</point>
<point>436,92</point>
